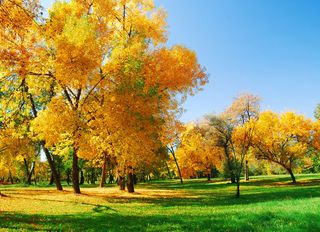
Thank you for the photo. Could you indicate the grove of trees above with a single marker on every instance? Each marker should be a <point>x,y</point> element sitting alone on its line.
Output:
<point>94,88</point>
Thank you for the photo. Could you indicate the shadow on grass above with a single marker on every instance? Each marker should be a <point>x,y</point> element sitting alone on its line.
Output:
<point>114,222</point>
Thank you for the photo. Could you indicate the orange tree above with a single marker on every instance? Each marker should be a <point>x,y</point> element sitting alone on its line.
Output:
<point>282,138</point>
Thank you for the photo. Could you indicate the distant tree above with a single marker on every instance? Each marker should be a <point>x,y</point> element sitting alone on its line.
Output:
<point>316,112</point>
<point>282,138</point>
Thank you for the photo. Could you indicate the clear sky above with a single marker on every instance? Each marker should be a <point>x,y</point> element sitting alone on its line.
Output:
<point>267,47</point>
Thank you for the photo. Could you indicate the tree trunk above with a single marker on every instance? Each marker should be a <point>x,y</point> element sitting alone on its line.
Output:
<point>232,178</point>
<point>110,177</point>
<point>175,160</point>
<point>52,166</point>
<point>103,171</point>
<point>238,188</point>
<point>169,173</point>
<point>68,177</point>
<point>209,176</point>
<point>31,172</point>
<point>27,171</point>
<point>121,183</point>
<point>292,175</point>
<point>92,176</point>
<point>82,178</point>
<point>75,173</point>
<point>130,183</point>
<point>247,171</point>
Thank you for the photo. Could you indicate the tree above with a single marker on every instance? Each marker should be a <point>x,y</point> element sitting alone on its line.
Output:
<point>234,135</point>
<point>197,152</point>
<point>317,112</point>
<point>282,138</point>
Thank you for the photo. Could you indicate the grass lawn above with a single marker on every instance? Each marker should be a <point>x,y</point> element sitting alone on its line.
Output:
<point>267,203</point>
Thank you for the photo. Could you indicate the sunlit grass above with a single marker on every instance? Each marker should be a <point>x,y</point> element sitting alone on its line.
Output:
<point>268,203</point>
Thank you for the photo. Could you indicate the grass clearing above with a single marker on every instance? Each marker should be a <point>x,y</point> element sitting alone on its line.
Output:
<point>268,203</point>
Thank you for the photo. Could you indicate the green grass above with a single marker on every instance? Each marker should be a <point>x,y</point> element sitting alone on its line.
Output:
<point>267,203</point>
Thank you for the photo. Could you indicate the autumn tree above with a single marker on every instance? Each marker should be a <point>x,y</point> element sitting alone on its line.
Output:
<point>234,135</point>
<point>197,151</point>
<point>24,91</point>
<point>282,138</point>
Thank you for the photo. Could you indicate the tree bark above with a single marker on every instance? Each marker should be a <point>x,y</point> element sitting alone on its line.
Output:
<point>52,166</point>
<point>103,172</point>
<point>130,183</point>
<point>292,175</point>
<point>121,183</point>
<point>247,171</point>
<point>75,173</point>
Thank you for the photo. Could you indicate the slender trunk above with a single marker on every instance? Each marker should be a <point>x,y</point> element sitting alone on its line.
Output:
<point>27,171</point>
<point>31,172</point>
<point>75,173</point>
<point>209,176</point>
<point>110,178</point>
<point>247,171</point>
<point>68,177</point>
<point>169,173</point>
<point>10,177</point>
<point>292,175</point>
<point>92,176</point>
<point>175,160</point>
<point>103,171</point>
<point>121,183</point>
<point>52,166</point>
<point>82,178</point>
<point>238,188</point>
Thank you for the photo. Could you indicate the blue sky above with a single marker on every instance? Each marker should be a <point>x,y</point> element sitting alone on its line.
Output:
<point>267,47</point>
